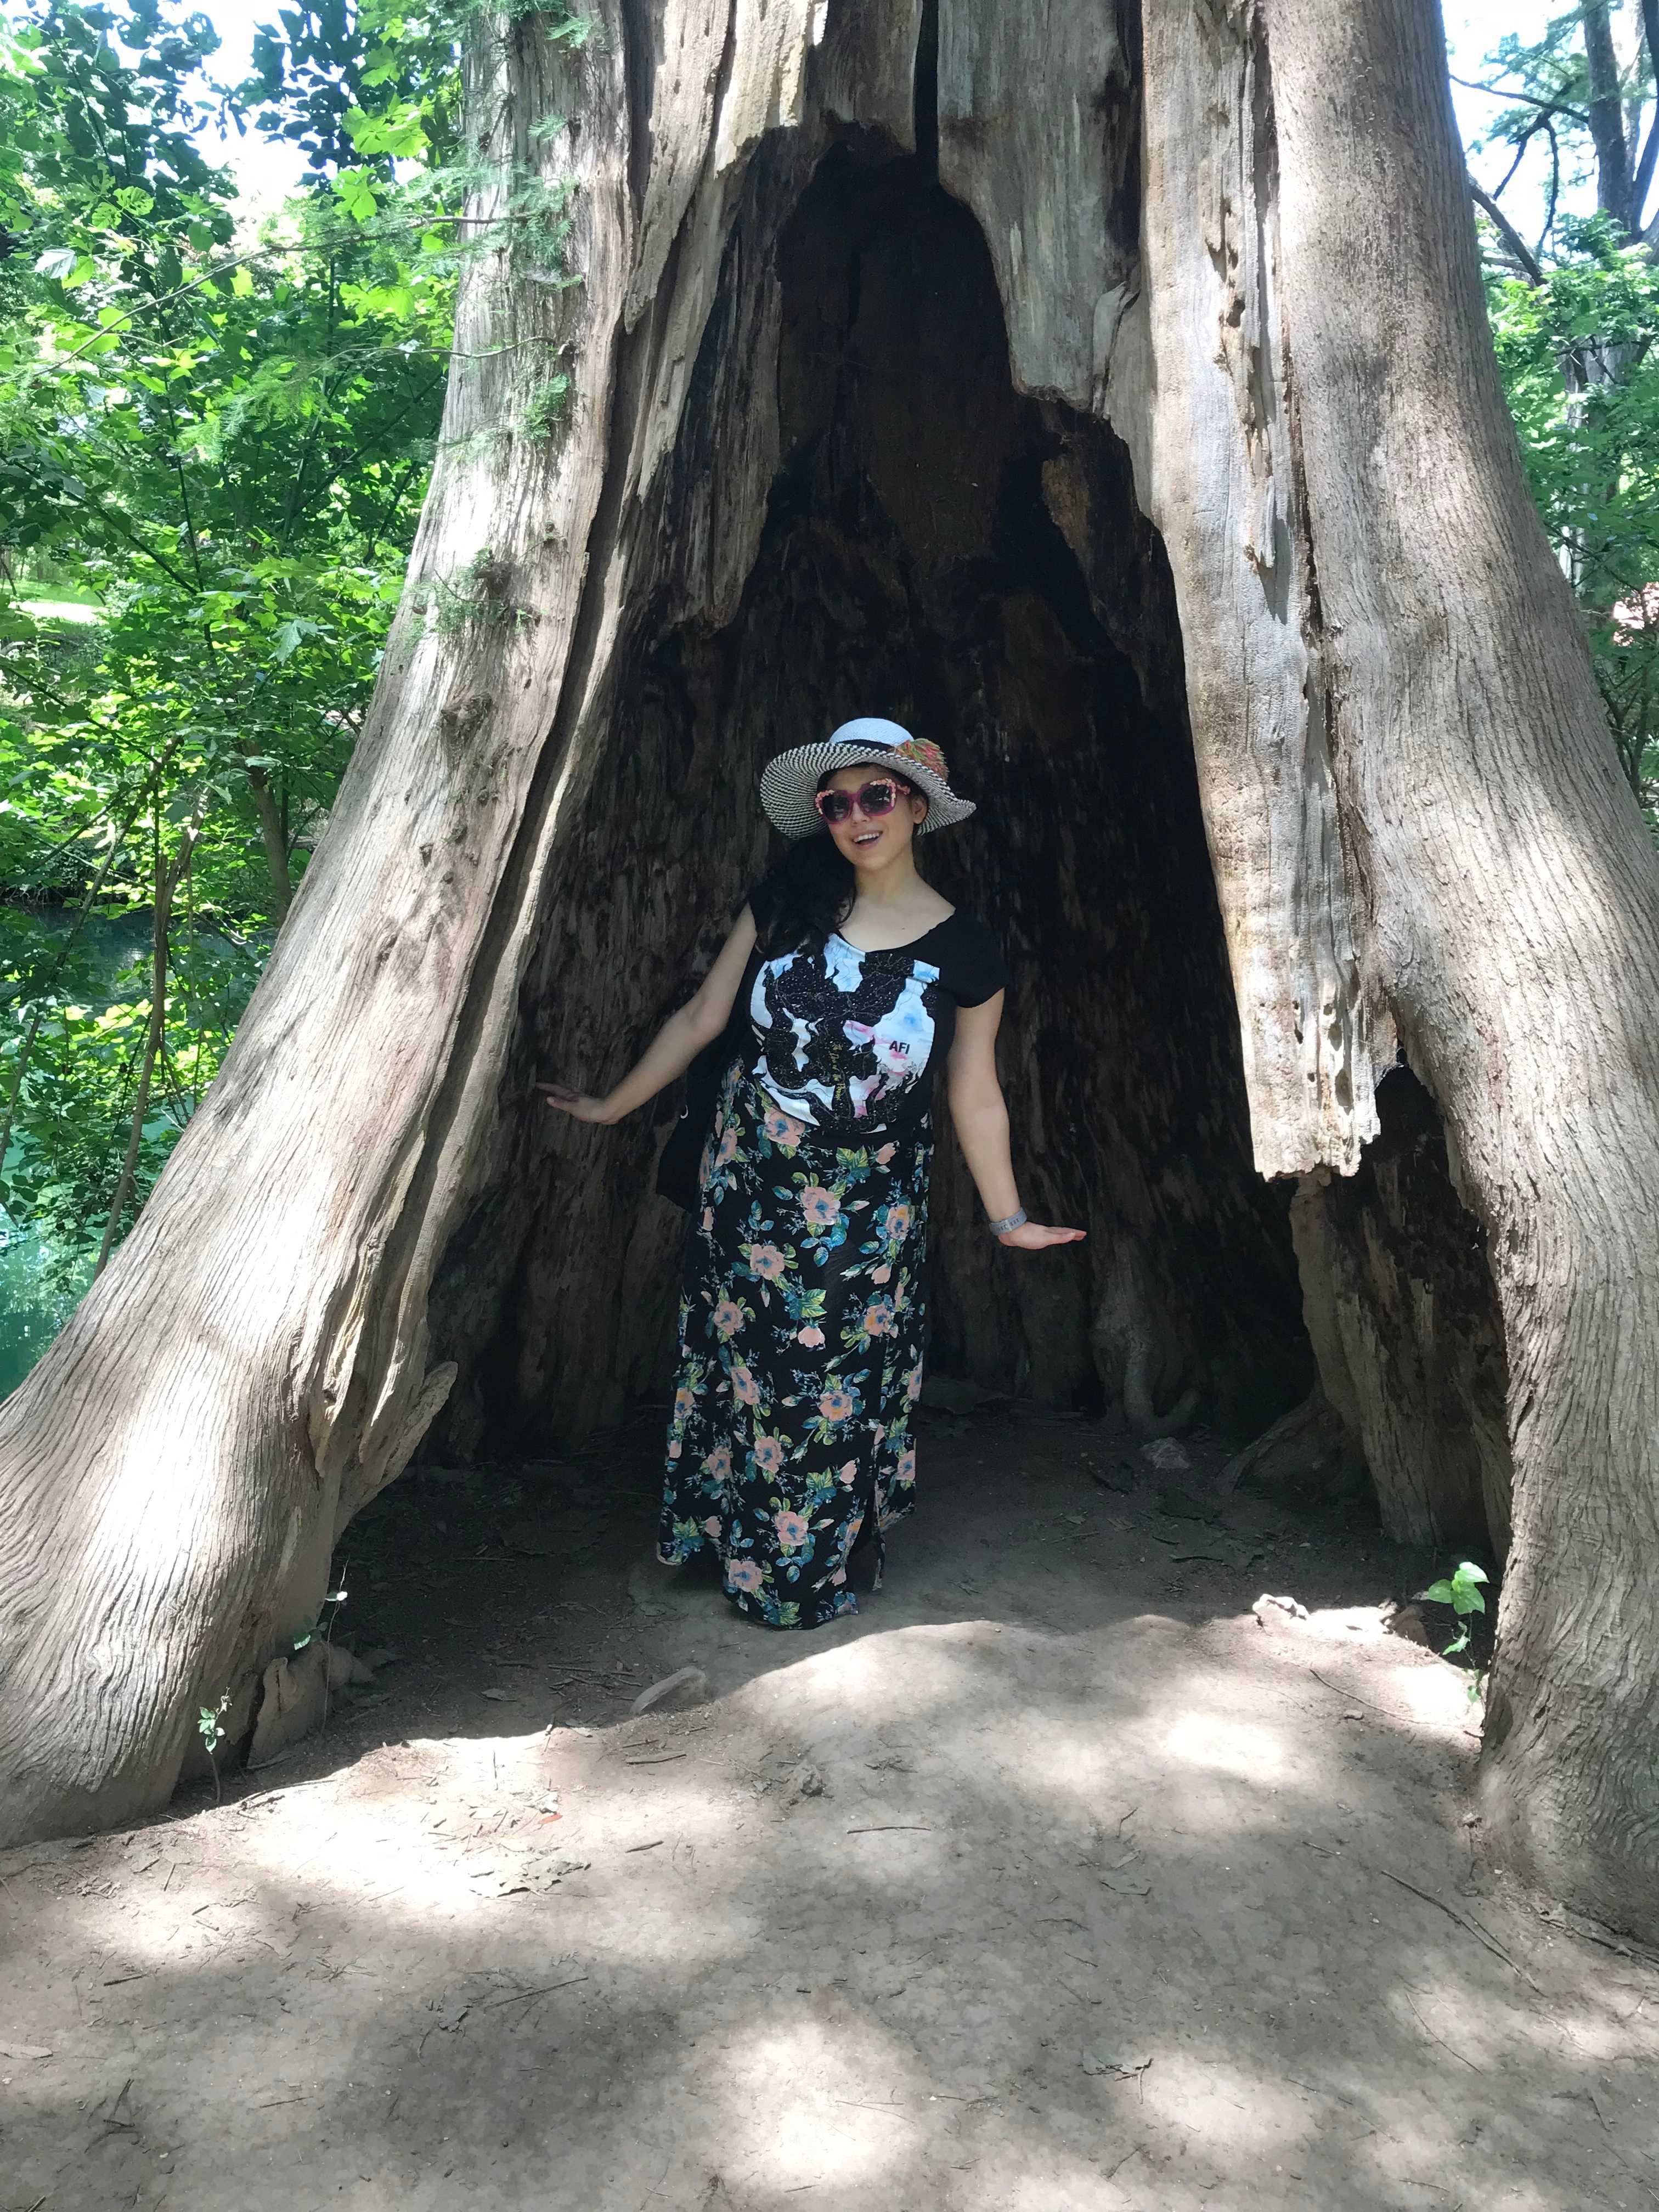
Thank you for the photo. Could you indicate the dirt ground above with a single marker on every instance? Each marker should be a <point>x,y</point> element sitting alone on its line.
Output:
<point>1053,1880</point>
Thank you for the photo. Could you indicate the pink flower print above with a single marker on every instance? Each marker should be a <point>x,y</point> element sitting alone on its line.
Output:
<point>728,1146</point>
<point>718,1465</point>
<point>711,1527</point>
<point>836,1403</point>
<point>879,1319</point>
<point>792,1531</point>
<point>913,1383</point>
<point>905,1472</point>
<point>674,1447</point>
<point>882,1274</point>
<point>727,1317</point>
<point>768,1454</point>
<point>884,1157</point>
<point>840,1575</point>
<point>744,1388</point>
<point>682,1402</point>
<point>895,1224</point>
<point>849,1474</point>
<point>811,1336</point>
<point>782,1129</point>
<point>821,1207</point>
<point>766,1261</point>
<point>743,1575</point>
<point>709,1221</point>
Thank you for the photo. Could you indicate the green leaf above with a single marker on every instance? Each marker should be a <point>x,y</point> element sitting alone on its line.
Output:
<point>355,189</point>
<point>56,262</point>
<point>1438,1593</point>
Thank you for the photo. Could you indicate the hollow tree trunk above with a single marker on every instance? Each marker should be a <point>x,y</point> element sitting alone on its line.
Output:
<point>1512,894</point>
<point>1235,234</point>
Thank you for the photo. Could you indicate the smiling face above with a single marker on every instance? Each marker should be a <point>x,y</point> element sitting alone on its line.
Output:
<point>875,841</point>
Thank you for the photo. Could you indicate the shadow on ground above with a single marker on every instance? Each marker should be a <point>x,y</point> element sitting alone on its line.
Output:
<point>1054,1881</point>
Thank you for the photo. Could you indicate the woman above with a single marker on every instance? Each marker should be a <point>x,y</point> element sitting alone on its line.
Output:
<point>801,1317</point>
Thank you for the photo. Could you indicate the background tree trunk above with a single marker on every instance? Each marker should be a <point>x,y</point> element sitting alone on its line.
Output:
<point>1114,397</point>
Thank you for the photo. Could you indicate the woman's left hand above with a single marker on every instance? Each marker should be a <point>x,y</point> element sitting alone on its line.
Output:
<point>1035,1236</point>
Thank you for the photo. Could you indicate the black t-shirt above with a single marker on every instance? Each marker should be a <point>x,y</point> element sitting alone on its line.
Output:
<point>848,1041</point>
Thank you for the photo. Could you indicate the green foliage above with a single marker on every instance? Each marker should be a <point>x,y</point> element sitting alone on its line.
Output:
<point>473,594</point>
<point>214,438</point>
<point>1461,1590</point>
<point>548,410</point>
<point>1581,373</point>
<point>217,427</point>
<point>322,1625</point>
<point>1575,312</point>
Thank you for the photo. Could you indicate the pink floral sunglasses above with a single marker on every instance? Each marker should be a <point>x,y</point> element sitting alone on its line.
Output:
<point>871,799</point>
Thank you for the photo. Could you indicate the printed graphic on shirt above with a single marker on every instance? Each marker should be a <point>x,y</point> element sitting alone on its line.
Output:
<point>842,1033</point>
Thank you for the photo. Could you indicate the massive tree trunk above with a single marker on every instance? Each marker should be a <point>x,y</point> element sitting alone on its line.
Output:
<point>1113,396</point>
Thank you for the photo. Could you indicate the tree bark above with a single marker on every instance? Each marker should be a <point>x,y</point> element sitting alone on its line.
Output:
<point>1607,118</point>
<point>272,838</point>
<point>1511,895</point>
<point>1330,661</point>
<point>252,1365</point>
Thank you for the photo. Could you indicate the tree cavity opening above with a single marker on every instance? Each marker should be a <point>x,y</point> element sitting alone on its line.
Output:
<point>933,546</point>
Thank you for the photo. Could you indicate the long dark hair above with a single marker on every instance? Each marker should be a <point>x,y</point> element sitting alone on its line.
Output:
<point>810,893</point>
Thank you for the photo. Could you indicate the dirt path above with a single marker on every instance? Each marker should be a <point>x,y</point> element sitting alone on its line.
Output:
<point>1053,1881</point>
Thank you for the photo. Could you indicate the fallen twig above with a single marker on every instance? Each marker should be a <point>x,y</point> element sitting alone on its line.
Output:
<point>893,1827</point>
<point>1354,1694</point>
<point>1464,1920</point>
<point>521,1996</point>
<point>1440,2039</point>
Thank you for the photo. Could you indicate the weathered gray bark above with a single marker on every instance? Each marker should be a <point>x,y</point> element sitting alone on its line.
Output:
<point>803,465</point>
<point>1512,897</point>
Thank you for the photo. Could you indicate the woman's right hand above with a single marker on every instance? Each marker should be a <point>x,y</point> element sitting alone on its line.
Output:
<point>577,1104</point>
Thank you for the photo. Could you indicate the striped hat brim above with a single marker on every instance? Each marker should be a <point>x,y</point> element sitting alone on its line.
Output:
<point>789,783</point>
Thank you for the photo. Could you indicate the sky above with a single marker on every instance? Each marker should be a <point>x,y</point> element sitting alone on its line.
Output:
<point>1474,29</point>
<point>267,171</point>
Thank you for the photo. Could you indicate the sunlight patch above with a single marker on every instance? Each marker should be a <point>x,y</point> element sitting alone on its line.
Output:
<point>822,2132</point>
<point>1256,1754</point>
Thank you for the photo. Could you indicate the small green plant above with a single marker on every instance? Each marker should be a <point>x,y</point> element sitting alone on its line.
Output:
<point>549,409</point>
<point>324,1623</point>
<point>210,1726</point>
<point>1461,1590</point>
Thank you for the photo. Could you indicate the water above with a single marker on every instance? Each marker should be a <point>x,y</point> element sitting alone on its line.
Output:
<point>32,1308</point>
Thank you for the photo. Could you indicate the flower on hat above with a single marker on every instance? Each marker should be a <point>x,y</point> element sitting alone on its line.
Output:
<point>925,754</point>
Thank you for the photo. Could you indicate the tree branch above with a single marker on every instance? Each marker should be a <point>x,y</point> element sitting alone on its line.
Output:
<point>1522,98</point>
<point>1520,146</point>
<point>1507,231</point>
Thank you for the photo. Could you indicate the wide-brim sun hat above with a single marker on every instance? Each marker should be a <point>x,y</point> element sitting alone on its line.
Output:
<point>790,783</point>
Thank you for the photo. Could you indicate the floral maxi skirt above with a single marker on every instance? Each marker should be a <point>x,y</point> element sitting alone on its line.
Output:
<point>799,1356</point>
